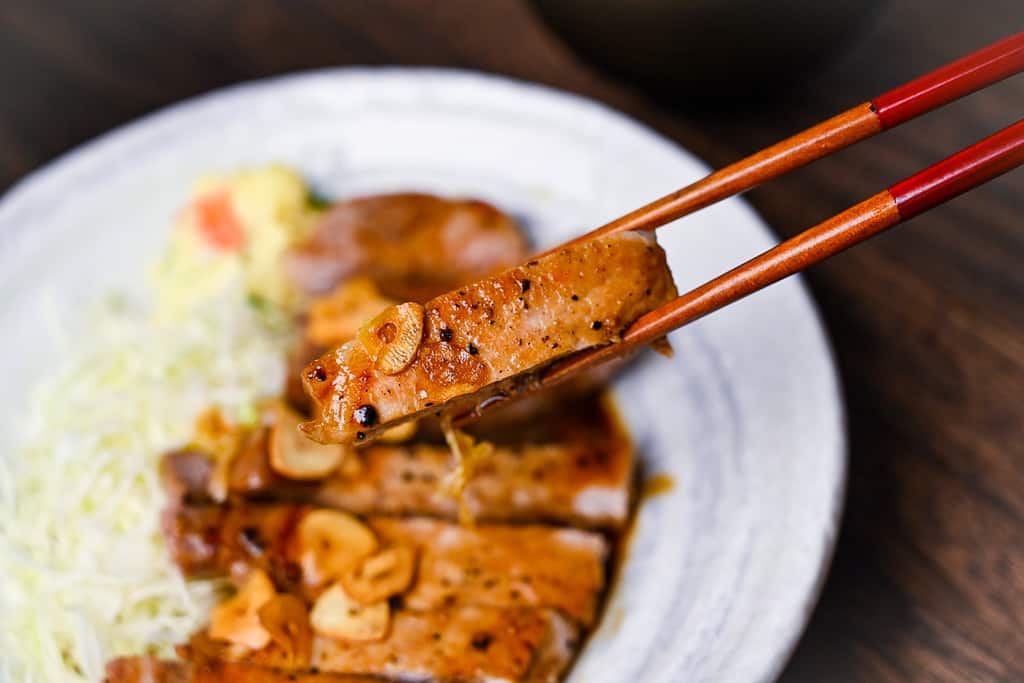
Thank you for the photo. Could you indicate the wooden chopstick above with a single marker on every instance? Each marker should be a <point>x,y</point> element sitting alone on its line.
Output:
<point>979,163</point>
<point>957,174</point>
<point>931,91</point>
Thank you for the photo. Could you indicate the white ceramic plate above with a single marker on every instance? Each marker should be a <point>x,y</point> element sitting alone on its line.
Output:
<point>746,419</point>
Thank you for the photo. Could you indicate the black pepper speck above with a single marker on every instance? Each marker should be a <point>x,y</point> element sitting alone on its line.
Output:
<point>596,325</point>
<point>482,641</point>
<point>525,285</point>
<point>473,350</point>
<point>366,415</point>
<point>446,334</point>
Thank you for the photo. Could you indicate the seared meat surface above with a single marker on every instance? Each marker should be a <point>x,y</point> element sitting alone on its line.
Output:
<point>552,483</point>
<point>457,644</point>
<point>472,644</point>
<point>501,566</point>
<point>573,469</point>
<point>408,246</point>
<point>473,343</point>
<point>414,246</point>
<point>491,565</point>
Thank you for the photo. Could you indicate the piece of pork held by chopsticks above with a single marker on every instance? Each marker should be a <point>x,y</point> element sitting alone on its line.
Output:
<point>501,566</point>
<point>469,345</point>
<point>407,246</point>
<point>576,470</point>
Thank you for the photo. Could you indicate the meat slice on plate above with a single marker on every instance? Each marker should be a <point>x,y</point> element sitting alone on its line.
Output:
<point>501,566</point>
<point>458,644</point>
<point>578,471</point>
<point>505,566</point>
<point>471,644</point>
<point>413,246</point>
<point>555,483</point>
<point>153,670</point>
<point>475,342</point>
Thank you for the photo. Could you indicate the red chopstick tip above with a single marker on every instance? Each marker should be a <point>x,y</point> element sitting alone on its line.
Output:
<point>979,163</point>
<point>951,82</point>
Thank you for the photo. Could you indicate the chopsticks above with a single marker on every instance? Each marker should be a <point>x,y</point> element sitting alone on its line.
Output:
<point>947,84</point>
<point>979,163</point>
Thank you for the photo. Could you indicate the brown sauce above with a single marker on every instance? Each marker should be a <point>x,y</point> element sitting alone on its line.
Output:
<point>656,485</point>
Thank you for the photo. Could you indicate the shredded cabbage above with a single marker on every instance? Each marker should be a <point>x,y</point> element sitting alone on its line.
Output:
<point>84,574</point>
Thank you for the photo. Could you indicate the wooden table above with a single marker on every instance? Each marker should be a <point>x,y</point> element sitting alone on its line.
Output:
<point>927,322</point>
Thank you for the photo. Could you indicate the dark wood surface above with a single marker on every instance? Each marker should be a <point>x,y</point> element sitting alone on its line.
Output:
<point>927,321</point>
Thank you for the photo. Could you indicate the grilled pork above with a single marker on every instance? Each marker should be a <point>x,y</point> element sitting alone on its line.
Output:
<point>552,483</point>
<point>471,344</point>
<point>578,471</point>
<point>501,566</point>
<point>465,644</point>
<point>414,246</point>
<point>472,644</point>
<point>493,565</point>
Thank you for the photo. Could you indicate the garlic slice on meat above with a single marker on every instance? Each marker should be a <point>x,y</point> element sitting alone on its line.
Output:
<point>221,439</point>
<point>393,337</point>
<point>336,318</point>
<point>295,456</point>
<point>380,576</point>
<point>286,619</point>
<point>330,543</point>
<point>336,615</point>
<point>237,620</point>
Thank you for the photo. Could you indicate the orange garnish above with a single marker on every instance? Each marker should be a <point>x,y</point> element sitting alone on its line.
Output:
<point>218,222</point>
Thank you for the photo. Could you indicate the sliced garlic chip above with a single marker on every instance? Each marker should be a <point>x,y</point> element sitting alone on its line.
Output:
<point>287,621</point>
<point>393,337</point>
<point>336,615</point>
<point>380,576</point>
<point>295,456</point>
<point>221,439</point>
<point>237,620</point>
<point>330,543</point>
<point>336,318</point>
